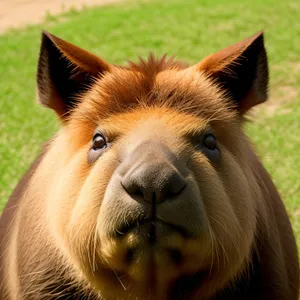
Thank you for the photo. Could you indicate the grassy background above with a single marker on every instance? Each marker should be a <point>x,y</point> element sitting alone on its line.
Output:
<point>190,29</point>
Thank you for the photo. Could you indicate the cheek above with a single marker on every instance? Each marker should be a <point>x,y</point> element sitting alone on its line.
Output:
<point>229,206</point>
<point>66,182</point>
<point>240,187</point>
<point>81,231</point>
<point>75,197</point>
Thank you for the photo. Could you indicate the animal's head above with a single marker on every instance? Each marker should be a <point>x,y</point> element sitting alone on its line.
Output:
<point>150,179</point>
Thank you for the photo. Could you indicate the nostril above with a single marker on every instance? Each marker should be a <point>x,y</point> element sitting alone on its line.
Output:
<point>147,193</point>
<point>131,187</point>
<point>177,184</point>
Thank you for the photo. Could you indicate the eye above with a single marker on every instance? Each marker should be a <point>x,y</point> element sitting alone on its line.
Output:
<point>99,142</point>
<point>210,148</point>
<point>209,142</point>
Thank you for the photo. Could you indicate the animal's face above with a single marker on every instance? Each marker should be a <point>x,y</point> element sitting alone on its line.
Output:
<point>151,179</point>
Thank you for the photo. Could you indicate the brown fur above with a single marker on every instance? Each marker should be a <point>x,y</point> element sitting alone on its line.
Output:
<point>55,241</point>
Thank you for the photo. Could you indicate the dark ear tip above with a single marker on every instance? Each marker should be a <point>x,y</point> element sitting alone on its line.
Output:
<point>257,41</point>
<point>46,37</point>
<point>46,34</point>
<point>259,35</point>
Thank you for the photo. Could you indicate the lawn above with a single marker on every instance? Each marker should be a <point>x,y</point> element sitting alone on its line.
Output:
<point>190,29</point>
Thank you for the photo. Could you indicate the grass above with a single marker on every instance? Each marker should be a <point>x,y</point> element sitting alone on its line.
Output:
<point>190,29</point>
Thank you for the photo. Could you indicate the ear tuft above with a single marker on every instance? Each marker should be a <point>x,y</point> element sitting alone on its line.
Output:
<point>241,70</point>
<point>64,72</point>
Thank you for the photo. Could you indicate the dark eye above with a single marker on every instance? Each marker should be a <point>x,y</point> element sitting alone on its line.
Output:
<point>210,142</point>
<point>98,142</point>
<point>210,147</point>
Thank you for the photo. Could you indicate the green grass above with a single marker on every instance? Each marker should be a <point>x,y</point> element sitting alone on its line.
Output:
<point>189,29</point>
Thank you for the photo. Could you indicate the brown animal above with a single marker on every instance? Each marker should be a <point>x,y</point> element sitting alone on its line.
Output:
<point>150,190</point>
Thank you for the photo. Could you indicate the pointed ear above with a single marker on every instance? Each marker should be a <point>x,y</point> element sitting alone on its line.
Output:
<point>65,71</point>
<point>242,70</point>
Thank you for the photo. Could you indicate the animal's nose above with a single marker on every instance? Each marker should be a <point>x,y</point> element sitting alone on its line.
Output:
<point>155,182</point>
<point>153,176</point>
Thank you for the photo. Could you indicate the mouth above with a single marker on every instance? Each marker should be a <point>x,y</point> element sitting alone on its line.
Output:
<point>150,249</point>
<point>152,235</point>
<point>152,226</point>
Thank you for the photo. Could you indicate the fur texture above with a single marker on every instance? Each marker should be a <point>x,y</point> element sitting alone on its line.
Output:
<point>226,235</point>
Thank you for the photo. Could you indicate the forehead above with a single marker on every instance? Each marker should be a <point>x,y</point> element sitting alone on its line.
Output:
<point>146,122</point>
<point>154,84</point>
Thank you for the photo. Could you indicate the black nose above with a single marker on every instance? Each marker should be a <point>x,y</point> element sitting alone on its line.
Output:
<point>155,182</point>
<point>153,176</point>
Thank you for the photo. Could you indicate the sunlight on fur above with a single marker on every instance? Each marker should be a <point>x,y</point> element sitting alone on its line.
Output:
<point>150,189</point>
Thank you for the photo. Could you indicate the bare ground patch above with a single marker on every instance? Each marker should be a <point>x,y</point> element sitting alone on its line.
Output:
<point>280,96</point>
<point>19,13</point>
<point>284,92</point>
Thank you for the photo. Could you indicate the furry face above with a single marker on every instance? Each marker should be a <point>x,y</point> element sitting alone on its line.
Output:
<point>153,182</point>
<point>150,190</point>
<point>157,203</point>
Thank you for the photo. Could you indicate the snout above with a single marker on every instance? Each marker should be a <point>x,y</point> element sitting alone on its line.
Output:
<point>152,206</point>
<point>152,174</point>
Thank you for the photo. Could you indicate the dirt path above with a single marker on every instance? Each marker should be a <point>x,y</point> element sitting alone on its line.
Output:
<point>19,13</point>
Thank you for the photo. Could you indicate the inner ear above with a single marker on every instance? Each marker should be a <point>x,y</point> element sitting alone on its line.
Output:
<point>68,79</point>
<point>241,70</point>
<point>65,71</point>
